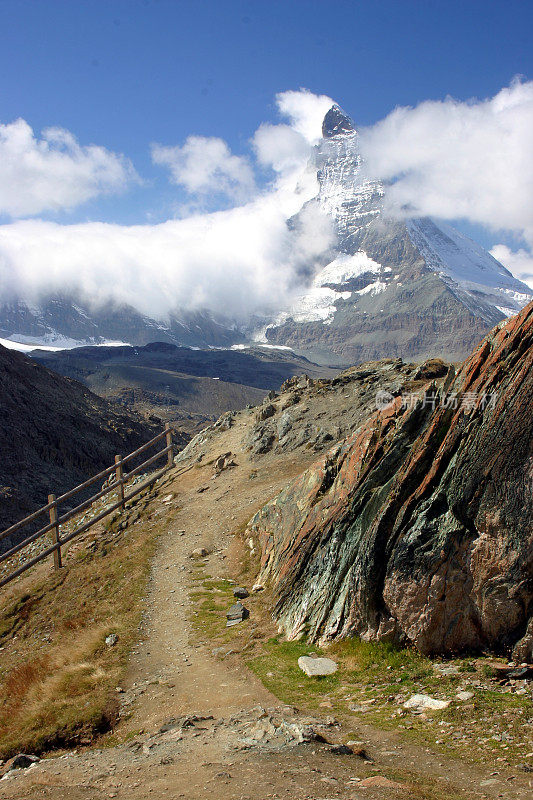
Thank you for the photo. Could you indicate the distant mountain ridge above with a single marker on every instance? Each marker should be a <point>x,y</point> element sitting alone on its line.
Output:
<point>183,386</point>
<point>65,322</point>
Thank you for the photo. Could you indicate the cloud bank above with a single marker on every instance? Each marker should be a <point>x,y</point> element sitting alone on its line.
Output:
<point>55,172</point>
<point>240,261</point>
<point>453,160</point>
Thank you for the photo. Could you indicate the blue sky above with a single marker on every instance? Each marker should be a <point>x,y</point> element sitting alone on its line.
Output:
<point>124,73</point>
<point>119,76</point>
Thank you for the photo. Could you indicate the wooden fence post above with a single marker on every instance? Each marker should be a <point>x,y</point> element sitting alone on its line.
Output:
<point>120,477</point>
<point>170,454</point>
<point>55,531</point>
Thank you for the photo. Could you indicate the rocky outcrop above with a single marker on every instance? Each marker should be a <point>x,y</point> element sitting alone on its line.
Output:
<point>419,527</point>
<point>312,414</point>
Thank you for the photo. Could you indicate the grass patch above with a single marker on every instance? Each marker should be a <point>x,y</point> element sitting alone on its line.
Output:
<point>279,671</point>
<point>58,677</point>
<point>210,601</point>
<point>374,680</point>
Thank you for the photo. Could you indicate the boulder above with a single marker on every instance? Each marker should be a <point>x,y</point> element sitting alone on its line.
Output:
<point>223,462</point>
<point>200,552</point>
<point>285,423</point>
<point>317,667</point>
<point>265,412</point>
<point>380,782</point>
<point>341,750</point>
<point>241,593</point>
<point>416,529</point>
<point>23,761</point>
<point>464,696</point>
<point>423,702</point>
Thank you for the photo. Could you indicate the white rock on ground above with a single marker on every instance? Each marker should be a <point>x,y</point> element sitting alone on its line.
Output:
<point>314,667</point>
<point>464,695</point>
<point>421,702</point>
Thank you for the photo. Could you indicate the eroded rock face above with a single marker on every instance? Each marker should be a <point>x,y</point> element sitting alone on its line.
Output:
<point>419,526</point>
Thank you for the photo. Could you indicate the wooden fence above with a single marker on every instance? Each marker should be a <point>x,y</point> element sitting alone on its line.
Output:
<point>55,520</point>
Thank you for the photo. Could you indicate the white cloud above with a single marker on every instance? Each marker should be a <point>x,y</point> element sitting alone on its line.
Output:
<point>455,160</point>
<point>54,172</point>
<point>280,147</point>
<point>205,165</point>
<point>519,262</point>
<point>241,261</point>
<point>305,111</point>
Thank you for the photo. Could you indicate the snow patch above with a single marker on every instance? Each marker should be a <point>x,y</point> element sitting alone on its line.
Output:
<point>345,267</point>
<point>264,345</point>
<point>24,348</point>
<point>53,342</point>
<point>373,288</point>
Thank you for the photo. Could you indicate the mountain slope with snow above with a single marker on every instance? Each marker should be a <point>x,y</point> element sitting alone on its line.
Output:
<point>388,287</point>
<point>412,288</point>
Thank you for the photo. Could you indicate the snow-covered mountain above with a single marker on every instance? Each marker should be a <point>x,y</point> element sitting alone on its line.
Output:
<point>389,287</point>
<point>466,267</point>
<point>66,322</point>
<point>395,287</point>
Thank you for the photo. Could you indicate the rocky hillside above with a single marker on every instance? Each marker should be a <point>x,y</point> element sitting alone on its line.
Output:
<point>54,434</point>
<point>308,415</point>
<point>187,387</point>
<point>418,527</point>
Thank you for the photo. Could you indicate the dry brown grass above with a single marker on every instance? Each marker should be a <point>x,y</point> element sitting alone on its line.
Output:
<point>58,678</point>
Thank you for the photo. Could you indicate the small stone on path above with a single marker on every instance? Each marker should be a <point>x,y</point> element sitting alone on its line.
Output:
<point>381,782</point>
<point>200,552</point>
<point>341,750</point>
<point>237,613</point>
<point>22,761</point>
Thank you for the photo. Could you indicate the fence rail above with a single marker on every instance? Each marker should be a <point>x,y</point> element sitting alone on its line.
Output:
<point>55,520</point>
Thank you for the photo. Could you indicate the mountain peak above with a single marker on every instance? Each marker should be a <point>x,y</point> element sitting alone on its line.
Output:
<point>335,122</point>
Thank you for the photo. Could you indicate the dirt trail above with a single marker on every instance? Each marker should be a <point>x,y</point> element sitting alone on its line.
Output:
<point>173,676</point>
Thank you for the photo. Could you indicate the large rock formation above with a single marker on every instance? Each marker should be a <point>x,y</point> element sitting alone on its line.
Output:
<point>419,527</point>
